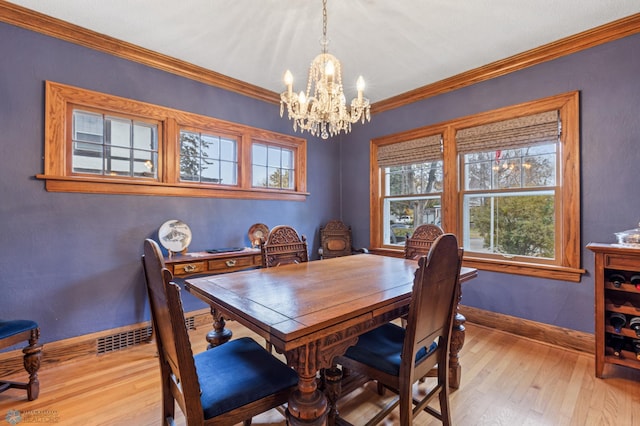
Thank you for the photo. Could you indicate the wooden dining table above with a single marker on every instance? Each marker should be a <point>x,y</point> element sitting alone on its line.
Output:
<point>312,312</point>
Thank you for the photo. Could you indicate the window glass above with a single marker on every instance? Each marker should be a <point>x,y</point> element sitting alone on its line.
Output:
<point>412,198</point>
<point>113,146</point>
<point>499,216</point>
<point>208,158</point>
<point>272,166</point>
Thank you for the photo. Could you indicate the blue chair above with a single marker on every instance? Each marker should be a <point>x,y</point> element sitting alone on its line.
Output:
<point>13,332</point>
<point>398,357</point>
<point>224,385</point>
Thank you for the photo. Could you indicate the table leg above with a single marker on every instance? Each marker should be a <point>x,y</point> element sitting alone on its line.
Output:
<point>307,405</point>
<point>219,334</point>
<point>457,341</point>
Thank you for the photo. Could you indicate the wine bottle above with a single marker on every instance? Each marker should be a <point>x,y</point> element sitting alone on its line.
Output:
<point>616,342</point>
<point>636,347</point>
<point>618,279</point>
<point>617,321</point>
<point>634,324</point>
<point>635,280</point>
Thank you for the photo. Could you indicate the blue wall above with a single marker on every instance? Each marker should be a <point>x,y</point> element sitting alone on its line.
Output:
<point>608,78</point>
<point>72,261</point>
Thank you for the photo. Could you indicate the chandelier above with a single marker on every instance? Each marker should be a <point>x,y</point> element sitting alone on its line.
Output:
<point>322,109</point>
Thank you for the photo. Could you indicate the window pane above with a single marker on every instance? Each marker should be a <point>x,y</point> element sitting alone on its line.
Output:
<point>287,159</point>
<point>210,171</point>
<point>228,150</point>
<point>144,136</point>
<point>118,131</point>
<point>273,156</point>
<point>259,176</point>
<point>259,156</point>
<point>513,168</point>
<point>411,179</point>
<point>228,173</point>
<point>87,127</point>
<point>403,215</point>
<point>520,224</point>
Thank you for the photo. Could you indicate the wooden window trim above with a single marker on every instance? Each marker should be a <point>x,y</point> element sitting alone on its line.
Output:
<point>568,267</point>
<point>59,101</point>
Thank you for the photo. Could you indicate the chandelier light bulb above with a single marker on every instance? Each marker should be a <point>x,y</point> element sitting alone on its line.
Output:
<point>330,69</point>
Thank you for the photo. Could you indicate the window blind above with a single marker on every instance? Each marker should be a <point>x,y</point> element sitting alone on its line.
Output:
<point>420,150</point>
<point>508,134</point>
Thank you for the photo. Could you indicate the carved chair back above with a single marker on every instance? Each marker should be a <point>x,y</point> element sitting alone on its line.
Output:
<point>420,242</point>
<point>282,246</point>
<point>335,240</point>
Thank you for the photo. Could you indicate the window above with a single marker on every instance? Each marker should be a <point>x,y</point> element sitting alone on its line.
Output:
<point>507,185</point>
<point>208,158</point>
<point>100,143</point>
<point>113,146</point>
<point>412,181</point>
<point>272,166</point>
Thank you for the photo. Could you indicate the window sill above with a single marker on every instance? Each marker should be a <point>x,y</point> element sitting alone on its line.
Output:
<point>100,185</point>
<point>516,268</point>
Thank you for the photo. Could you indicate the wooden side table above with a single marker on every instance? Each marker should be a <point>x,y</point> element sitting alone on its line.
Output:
<point>202,262</point>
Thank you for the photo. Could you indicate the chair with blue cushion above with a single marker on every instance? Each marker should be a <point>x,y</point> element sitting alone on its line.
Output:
<point>398,357</point>
<point>13,332</point>
<point>224,385</point>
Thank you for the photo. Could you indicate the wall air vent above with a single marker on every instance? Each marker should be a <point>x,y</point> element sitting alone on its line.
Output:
<point>131,338</point>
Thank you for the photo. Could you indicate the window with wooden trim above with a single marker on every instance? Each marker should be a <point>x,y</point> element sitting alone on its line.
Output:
<point>510,187</point>
<point>99,143</point>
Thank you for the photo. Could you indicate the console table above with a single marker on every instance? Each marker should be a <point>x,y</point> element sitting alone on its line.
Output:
<point>202,262</point>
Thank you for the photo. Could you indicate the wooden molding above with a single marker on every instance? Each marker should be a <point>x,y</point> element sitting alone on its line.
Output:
<point>82,346</point>
<point>86,346</point>
<point>603,34</point>
<point>38,22</point>
<point>545,333</point>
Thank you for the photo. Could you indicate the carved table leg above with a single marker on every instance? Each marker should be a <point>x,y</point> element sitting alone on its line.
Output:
<point>457,341</point>
<point>32,355</point>
<point>219,334</point>
<point>307,405</point>
<point>332,390</point>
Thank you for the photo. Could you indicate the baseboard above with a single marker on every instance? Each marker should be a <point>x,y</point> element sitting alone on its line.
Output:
<point>88,345</point>
<point>66,350</point>
<point>545,333</point>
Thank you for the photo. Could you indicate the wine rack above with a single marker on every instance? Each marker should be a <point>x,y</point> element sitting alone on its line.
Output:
<point>616,296</point>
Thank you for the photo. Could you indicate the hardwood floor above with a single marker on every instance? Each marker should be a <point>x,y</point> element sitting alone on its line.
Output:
<point>506,380</point>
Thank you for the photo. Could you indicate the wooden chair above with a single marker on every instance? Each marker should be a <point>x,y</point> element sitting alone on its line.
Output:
<point>282,246</point>
<point>225,385</point>
<point>397,357</point>
<point>335,240</point>
<point>420,242</point>
<point>13,332</point>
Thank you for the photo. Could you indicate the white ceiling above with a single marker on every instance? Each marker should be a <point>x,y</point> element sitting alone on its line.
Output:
<point>397,45</point>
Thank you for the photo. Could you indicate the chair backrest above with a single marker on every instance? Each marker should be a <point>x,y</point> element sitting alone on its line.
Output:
<point>335,239</point>
<point>420,242</point>
<point>283,245</point>
<point>177,366</point>
<point>433,306</point>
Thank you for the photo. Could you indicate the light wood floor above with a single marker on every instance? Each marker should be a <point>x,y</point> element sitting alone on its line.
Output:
<point>506,380</point>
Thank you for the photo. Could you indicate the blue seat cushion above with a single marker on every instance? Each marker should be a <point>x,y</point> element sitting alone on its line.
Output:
<point>237,373</point>
<point>11,328</point>
<point>381,348</point>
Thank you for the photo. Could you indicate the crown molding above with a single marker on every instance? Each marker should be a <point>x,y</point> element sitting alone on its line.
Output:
<point>603,34</point>
<point>38,22</point>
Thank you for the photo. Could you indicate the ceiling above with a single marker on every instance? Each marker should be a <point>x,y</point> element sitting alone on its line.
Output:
<point>396,45</point>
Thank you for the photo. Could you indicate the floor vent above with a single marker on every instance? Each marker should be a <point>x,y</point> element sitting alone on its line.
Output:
<point>131,338</point>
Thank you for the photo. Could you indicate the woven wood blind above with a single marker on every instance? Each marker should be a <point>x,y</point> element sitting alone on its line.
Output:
<point>509,134</point>
<point>414,151</point>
